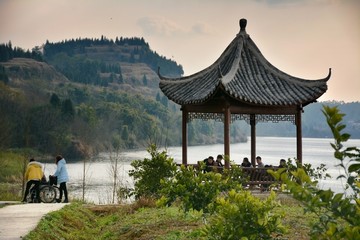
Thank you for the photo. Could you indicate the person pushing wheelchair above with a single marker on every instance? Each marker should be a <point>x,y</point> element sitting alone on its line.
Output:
<point>33,175</point>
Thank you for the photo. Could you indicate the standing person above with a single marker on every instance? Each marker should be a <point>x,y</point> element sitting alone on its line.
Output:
<point>33,176</point>
<point>259,162</point>
<point>62,177</point>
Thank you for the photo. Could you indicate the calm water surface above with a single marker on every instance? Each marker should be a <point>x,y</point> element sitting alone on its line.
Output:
<point>271,149</point>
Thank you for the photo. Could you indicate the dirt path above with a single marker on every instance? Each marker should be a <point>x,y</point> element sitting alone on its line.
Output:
<point>17,220</point>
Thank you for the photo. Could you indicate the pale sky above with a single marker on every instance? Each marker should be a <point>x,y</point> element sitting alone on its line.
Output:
<point>303,38</point>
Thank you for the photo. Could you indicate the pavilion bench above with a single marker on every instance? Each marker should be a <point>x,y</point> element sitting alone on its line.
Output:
<point>257,177</point>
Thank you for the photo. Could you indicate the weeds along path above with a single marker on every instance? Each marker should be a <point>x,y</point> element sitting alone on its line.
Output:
<point>17,220</point>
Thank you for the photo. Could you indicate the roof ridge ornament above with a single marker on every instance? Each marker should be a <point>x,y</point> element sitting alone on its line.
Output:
<point>329,75</point>
<point>242,24</point>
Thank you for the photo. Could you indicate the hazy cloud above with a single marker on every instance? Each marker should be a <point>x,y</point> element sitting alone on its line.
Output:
<point>298,2</point>
<point>164,27</point>
<point>281,2</point>
<point>159,26</point>
<point>201,28</point>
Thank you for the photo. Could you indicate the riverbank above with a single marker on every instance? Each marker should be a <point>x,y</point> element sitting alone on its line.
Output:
<point>142,220</point>
<point>96,173</point>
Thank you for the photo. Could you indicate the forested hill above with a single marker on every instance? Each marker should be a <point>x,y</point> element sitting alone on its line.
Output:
<point>79,97</point>
<point>100,56</point>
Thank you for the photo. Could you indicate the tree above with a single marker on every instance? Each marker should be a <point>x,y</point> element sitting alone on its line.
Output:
<point>68,109</point>
<point>125,133</point>
<point>145,81</point>
<point>3,76</point>
<point>88,114</point>
<point>7,52</point>
<point>115,157</point>
<point>55,101</point>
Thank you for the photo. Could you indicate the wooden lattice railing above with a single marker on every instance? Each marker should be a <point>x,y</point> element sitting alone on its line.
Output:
<point>253,176</point>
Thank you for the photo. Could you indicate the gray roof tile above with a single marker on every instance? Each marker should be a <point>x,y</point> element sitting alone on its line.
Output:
<point>244,74</point>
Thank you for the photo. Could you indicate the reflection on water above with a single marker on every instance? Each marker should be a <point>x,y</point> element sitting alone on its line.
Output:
<point>271,149</point>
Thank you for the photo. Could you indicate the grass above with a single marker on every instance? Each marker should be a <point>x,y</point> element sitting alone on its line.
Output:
<point>78,221</point>
<point>12,169</point>
<point>11,166</point>
<point>296,222</point>
<point>142,220</point>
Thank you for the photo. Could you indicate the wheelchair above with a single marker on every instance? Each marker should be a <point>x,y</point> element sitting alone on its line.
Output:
<point>48,192</point>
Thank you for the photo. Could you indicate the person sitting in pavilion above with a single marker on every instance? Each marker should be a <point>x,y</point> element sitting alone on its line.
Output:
<point>218,161</point>
<point>246,163</point>
<point>209,163</point>
<point>259,162</point>
<point>282,163</point>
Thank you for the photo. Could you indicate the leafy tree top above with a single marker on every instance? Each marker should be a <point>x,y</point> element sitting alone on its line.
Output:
<point>8,52</point>
<point>137,51</point>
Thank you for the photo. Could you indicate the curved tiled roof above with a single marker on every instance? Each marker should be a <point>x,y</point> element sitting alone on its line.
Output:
<point>243,73</point>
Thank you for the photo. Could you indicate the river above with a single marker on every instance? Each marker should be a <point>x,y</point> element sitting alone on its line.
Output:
<point>271,149</point>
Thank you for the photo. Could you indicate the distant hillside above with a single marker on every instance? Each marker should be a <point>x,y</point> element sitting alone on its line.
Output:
<point>125,63</point>
<point>313,122</point>
<point>80,102</point>
<point>44,110</point>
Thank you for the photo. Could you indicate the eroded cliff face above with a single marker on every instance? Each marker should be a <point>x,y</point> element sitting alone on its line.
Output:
<point>79,150</point>
<point>30,69</point>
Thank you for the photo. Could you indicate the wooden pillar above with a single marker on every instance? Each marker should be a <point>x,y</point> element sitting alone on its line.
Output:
<point>227,119</point>
<point>253,138</point>
<point>184,136</point>
<point>298,135</point>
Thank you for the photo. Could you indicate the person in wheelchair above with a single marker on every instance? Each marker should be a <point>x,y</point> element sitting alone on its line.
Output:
<point>33,175</point>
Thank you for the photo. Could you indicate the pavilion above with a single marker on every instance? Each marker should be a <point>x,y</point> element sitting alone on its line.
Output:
<point>242,85</point>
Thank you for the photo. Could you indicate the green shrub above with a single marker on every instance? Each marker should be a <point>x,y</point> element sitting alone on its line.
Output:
<point>349,158</point>
<point>196,188</point>
<point>240,215</point>
<point>147,174</point>
<point>320,172</point>
<point>338,214</point>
